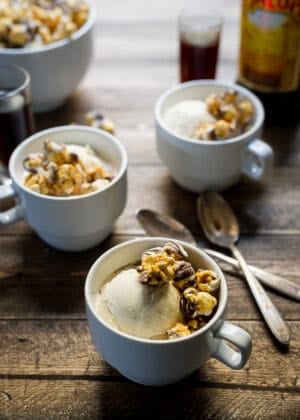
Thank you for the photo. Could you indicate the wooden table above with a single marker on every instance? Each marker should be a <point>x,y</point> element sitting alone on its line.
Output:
<point>48,365</point>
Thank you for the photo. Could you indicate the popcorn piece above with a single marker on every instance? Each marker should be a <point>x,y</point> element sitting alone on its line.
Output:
<point>222,129</point>
<point>184,275</point>
<point>207,280</point>
<point>206,131</point>
<point>196,323</point>
<point>97,120</point>
<point>195,303</point>
<point>45,34</point>
<point>230,96</point>
<point>18,35</point>
<point>229,113</point>
<point>175,250</point>
<point>213,103</point>
<point>156,269</point>
<point>180,330</point>
<point>5,24</point>
<point>246,110</point>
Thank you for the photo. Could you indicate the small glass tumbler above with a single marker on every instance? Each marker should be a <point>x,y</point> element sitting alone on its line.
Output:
<point>199,36</point>
<point>16,118</point>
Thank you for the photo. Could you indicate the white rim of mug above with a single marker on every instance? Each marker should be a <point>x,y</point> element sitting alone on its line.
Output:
<point>217,315</point>
<point>260,114</point>
<point>185,24</point>
<point>57,44</point>
<point>44,133</point>
<point>22,86</point>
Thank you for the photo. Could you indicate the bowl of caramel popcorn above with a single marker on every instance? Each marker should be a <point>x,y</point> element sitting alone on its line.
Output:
<point>156,309</point>
<point>208,135</point>
<point>71,185</point>
<point>52,40</point>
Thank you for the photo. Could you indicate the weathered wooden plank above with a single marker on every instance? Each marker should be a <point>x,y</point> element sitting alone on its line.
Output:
<point>269,209</point>
<point>108,400</point>
<point>64,348</point>
<point>259,209</point>
<point>56,291</point>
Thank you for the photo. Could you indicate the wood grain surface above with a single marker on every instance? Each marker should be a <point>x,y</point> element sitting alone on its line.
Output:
<point>49,367</point>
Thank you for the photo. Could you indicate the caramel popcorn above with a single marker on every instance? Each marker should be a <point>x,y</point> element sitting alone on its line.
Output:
<point>207,281</point>
<point>25,23</point>
<point>98,120</point>
<point>160,265</point>
<point>184,275</point>
<point>156,269</point>
<point>232,117</point>
<point>195,303</point>
<point>180,330</point>
<point>175,250</point>
<point>65,170</point>
<point>198,300</point>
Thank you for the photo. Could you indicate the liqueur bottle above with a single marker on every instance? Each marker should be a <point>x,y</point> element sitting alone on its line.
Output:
<point>269,61</point>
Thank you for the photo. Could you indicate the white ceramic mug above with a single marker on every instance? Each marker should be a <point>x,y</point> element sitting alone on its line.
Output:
<point>161,362</point>
<point>212,165</point>
<point>71,223</point>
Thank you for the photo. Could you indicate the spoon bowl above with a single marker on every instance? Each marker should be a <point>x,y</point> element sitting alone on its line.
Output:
<point>221,227</point>
<point>219,223</point>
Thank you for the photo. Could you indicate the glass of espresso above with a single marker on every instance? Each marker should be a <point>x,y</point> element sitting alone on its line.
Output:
<point>16,118</point>
<point>199,36</point>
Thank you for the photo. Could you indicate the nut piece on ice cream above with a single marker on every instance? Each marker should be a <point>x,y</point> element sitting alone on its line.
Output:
<point>138,309</point>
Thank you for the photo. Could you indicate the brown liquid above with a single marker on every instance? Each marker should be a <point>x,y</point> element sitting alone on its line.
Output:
<point>16,123</point>
<point>198,62</point>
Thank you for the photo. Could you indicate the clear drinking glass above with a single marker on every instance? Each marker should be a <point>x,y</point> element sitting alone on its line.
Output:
<point>199,36</point>
<point>16,118</point>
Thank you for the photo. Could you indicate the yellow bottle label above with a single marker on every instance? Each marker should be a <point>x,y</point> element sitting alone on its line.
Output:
<point>270,45</point>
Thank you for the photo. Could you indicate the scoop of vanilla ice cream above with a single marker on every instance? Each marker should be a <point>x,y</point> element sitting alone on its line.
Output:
<point>185,117</point>
<point>139,309</point>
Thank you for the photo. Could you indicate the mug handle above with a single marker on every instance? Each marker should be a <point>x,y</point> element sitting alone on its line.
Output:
<point>15,213</point>
<point>257,162</point>
<point>239,338</point>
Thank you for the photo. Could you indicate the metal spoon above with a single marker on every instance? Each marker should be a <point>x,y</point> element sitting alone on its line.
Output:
<point>221,228</point>
<point>157,224</point>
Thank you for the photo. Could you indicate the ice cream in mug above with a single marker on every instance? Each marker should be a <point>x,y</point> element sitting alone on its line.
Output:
<point>218,117</point>
<point>160,297</point>
<point>66,170</point>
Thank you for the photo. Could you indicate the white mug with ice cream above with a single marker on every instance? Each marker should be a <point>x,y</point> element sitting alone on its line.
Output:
<point>199,165</point>
<point>74,222</point>
<point>125,322</point>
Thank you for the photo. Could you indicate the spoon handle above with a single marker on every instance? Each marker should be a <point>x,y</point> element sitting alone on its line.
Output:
<point>266,306</point>
<point>281,284</point>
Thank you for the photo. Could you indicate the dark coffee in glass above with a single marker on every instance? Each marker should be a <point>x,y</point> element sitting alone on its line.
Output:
<point>16,119</point>
<point>199,35</point>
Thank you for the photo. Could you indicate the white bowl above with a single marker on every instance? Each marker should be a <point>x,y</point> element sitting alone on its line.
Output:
<point>57,68</point>
<point>198,165</point>
<point>161,362</point>
<point>77,222</point>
